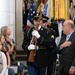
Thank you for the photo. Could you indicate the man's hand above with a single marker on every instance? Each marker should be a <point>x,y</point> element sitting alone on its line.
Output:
<point>36,34</point>
<point>72,71</point>
<point>31,47</point>
<point>66,44</point>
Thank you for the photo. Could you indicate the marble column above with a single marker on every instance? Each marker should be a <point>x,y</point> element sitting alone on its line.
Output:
<point>7,15</point>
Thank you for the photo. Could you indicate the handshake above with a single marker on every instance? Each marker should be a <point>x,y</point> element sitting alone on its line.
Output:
<point>37,35</point>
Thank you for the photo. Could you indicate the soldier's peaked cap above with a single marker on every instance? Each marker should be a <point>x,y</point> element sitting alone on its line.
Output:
<point>45,18</point>
<point>36,16</point>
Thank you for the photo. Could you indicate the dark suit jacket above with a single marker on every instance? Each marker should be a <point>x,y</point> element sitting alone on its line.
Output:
<point>67,58</point>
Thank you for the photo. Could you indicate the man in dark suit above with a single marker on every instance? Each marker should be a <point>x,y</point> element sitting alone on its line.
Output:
<point>67,48</point>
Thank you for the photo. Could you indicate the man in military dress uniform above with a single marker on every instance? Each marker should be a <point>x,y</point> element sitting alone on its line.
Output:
<point>41,47</point>
<point>51,52</point>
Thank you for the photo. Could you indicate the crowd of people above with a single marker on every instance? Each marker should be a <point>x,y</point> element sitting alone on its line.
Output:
<point>39,42</point>
<point>8,53</point>
<point>7,48</point>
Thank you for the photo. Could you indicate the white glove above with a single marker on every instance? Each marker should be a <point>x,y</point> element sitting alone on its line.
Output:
<point>31,47</point>
<point>36,34</point>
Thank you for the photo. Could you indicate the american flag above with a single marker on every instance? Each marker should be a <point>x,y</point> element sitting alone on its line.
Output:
<point>30,15</point>
<point>45,9</point>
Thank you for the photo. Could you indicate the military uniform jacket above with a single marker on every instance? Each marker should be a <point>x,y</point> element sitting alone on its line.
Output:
<point>45,41</point>
<point>67,58</point>
<point>48,55</point>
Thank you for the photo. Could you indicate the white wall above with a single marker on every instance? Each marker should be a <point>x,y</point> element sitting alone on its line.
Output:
<point>7,15</point>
